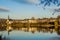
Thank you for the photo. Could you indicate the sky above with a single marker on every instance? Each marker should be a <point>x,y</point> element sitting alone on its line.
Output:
<point>25,9</point>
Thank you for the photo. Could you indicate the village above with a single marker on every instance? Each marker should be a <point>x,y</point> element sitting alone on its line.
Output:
<point>49,23</point>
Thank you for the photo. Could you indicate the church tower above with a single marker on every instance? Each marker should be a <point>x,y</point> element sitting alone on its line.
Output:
<point>8,24</point>
<point>8,17</point>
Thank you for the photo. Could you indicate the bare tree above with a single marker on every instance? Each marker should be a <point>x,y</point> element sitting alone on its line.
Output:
<point>50,2</point>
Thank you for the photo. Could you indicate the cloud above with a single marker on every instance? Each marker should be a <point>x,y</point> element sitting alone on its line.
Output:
<point>27,1</point>
<point>33,1</point>
<point>4,9</point>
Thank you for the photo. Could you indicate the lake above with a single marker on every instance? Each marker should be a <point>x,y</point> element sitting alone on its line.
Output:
<point>30,35</point>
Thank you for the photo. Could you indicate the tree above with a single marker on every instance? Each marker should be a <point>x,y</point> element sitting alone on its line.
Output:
<point>50,2</point>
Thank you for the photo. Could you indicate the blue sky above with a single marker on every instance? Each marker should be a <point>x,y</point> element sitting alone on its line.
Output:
<point>21,10</point>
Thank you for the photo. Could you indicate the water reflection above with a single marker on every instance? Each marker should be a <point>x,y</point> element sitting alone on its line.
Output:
<point>22,35</point>
<point>34,29</point>
<point>32,33</point>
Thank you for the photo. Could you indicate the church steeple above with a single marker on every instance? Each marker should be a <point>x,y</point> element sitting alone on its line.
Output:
<point>8,17</point>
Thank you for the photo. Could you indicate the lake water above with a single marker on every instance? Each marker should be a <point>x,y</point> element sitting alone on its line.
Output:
<point>23,35</point>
